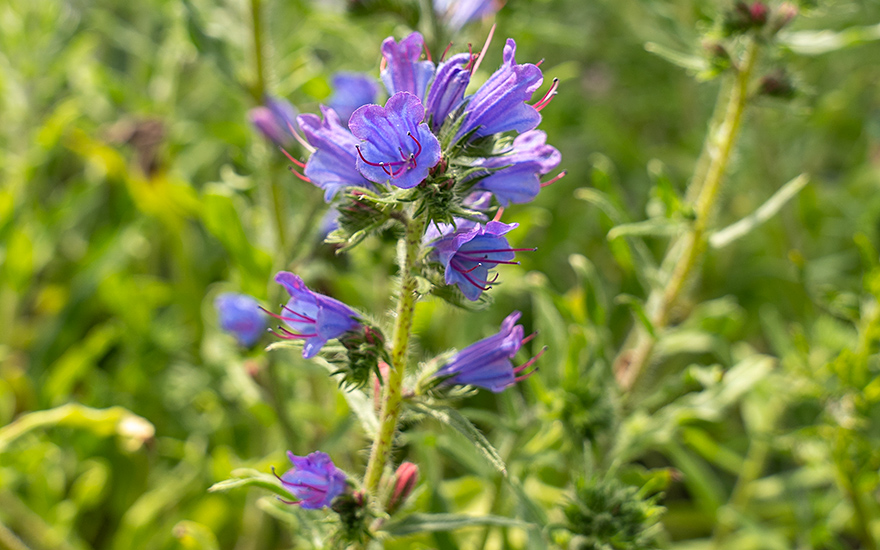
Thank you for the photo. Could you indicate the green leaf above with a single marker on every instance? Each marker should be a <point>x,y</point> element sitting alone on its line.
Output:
<point>430,523</point>
<point>455,420</point>
<point>820,42</point>
<point>774,204</point>
<point>635,305</point>
<point>680,59</point>
<point>246,477</point>
<point>653,227</point>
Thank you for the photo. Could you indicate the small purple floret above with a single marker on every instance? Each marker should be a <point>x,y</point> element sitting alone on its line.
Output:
<point>240,315</point>
<point>469,251</point>
<point>516,177</point>
<point>314,480</point>
<point>404,72</point>
<point>447,89</point>
<point>458,13</point>
<point>333,164</point>
<point>398,148</point>
<point>350,91</point>
<point>274,120</point>
<point>499,104</point>
<point>487,363</point>
<point>311,316</point>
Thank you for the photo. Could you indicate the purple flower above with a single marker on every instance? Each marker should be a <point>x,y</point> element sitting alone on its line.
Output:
<point>469,251</point>
<point>447,89</point>
<point>516,176</point>
<point>274,120</point>
<point>458,13</point>
<point>486,364</point>
<point>240,315</point>
<point>499,104</point>
<point>312,317</point>
<point>403,71</point>
<point>314,480</point>
<point>398,147</point>
<point>350,91</point>
<point>333,164</point>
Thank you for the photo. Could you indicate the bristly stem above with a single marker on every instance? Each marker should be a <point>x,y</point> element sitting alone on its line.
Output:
<point>684,256</point>
<point>392,397</point>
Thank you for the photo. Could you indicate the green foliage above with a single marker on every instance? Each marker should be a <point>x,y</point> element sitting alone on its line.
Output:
<point>607,515</point>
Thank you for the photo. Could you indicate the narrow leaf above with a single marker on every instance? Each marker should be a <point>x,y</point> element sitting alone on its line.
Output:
<point>774,204</point>
<point>638,309</point>
<point>252,478</point>
<point>431,523</point>
<point>683,60</point>
<point>653,227</point>
<point>456,421</point>
<point>820,42</point>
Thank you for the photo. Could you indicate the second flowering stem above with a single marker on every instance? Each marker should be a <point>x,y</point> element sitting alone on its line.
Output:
<point>392,396</point>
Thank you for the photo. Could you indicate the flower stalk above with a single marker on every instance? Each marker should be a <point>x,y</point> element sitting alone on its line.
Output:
<point>684,255</point>
<point>392,397</point>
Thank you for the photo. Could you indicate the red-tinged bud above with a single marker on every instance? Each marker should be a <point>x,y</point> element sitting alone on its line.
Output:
<point>777,84</point>
<point>405,479</point>
<point>758,12</point>
<point>783,15</point>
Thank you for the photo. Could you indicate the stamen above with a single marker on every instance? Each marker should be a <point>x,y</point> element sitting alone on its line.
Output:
<point>418,144</point>
<point>304,317</point>
<point>297,174</point>
<point>498,214</point>
<point>470,57</point>
<point>428,53</point>
<point>290,502</point>
<point>445,52</point>
<point>555,179</point>
<point>524,376</point>
<point>383,64</point>
<point>302,141</point>
<point>528,338</point>
<point>291,335</point>
<point>530,362</point>
<point>282,317</point>
<point>538,64</point>
<point>484,260</point>
<point>500,250</point>
<point>485,49</point>
<point>290,158</point>
<point>276,475</point>
<point>460,268</point>
<point>548,97</point>
<point>473,282</point>
<point>382,165</point>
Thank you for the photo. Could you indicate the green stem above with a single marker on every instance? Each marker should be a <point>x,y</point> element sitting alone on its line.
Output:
<point>688,252</point>
<point>259,87</point>
<point>392,399</point>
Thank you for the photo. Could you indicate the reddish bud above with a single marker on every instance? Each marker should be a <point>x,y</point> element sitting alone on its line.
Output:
<point>758,12</point>
<point>405,479</point>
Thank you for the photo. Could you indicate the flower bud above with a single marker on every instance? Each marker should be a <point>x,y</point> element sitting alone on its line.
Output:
<point>405,479</point>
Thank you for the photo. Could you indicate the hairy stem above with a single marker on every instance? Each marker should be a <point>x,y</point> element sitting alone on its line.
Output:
<point>684,256</point>
<point>392,398</point>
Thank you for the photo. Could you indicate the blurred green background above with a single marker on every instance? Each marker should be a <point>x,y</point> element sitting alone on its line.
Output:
<point>134,191</point>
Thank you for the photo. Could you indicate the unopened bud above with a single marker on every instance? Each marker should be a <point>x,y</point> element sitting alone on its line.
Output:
<point>758,13</point>
<point>777,84</point>
<point>384,369</point>
<point>783,15</point>
<point>405,479</point>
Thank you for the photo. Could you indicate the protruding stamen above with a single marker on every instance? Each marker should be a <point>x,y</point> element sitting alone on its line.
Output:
<point>538,64</point>
<point>471,57</point>
<point>484,259</point>
<point>528,338</point>
<point>555,179</point>
<point>302,141</point>
<point>442,57</point>
<point>530,362</point>
<point>297,174</point>
<point>290,335</point>
<point>418,143</point>
<point>300,315</point>
<point>548,97</point>
<point>383,64</point>
<point>485,49</point>
<point>525,376</point>
<point>500,250</point>
<point>291,159</point>
<point>498,214</point>
<point>303,319</point>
